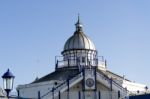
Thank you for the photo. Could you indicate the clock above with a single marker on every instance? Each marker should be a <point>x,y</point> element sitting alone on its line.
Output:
<point>89,82</point>
<point>89,79</point>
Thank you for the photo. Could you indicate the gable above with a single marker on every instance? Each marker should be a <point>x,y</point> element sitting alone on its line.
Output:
<point>78,87</point>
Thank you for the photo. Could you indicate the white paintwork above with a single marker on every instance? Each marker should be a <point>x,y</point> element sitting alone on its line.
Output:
<point>134,87</point>
<point>31,90</point>
<point>102,65</point>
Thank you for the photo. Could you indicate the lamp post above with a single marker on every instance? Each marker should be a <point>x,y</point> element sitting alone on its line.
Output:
<point>8,79</point>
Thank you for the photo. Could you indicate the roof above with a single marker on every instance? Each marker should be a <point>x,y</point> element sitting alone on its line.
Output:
<point>79,41</point>
<point>108,72</point>
<point>60,74</point>
<point>64,73</point>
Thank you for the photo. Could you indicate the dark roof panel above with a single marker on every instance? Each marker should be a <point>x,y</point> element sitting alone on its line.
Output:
<point>60,74</point>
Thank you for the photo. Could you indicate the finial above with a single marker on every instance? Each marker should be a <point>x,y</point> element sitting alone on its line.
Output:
<point>78,18</point>
<point>78,24</point>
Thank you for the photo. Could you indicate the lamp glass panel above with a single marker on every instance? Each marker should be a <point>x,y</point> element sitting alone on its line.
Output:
<point>8,83</point>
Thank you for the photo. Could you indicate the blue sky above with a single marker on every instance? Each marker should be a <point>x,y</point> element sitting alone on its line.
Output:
<point>33,32</point>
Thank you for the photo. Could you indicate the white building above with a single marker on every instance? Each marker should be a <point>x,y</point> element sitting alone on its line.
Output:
<point>80,74</point>
<point>2,93</point>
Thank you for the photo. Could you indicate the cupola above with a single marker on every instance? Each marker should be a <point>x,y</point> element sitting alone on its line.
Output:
<point>79,41</point>
<point>79,50</point>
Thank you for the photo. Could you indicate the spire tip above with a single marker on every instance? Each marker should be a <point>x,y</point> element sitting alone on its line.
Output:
<point>78,24</point>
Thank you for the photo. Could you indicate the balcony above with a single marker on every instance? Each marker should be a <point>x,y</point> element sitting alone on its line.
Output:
<point>77,63</point>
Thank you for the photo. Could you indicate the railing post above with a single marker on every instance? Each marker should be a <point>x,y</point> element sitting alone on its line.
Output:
<point>68,88</point>
<point>118,94</point>
<point>83,82</point>
<point>99,95</point>
<point>111,88</point>
<point>79,94</point>
<point>59,95</point>
<point>18,92</point>
<point>110,84</point>
<point>95,78</point>
<point>39,95</point>
<point>56,65</point>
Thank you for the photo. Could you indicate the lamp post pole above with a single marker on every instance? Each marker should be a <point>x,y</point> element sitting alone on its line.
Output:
<point>7,92</point>
<point>8,80</point>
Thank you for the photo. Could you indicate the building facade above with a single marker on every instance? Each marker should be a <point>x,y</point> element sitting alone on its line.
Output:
<point>80,73</point>
<point>2,93</point>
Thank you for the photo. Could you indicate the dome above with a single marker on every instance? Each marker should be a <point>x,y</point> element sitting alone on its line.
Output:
<point>79,40</point>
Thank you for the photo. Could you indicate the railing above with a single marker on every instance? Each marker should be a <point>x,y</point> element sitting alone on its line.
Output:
<point>69,81</point>
<point>84,95</point>
<point>62,85</point>
<point>134,93</point>
<point>75,95</point>
<point>60,62</point>
<point>112,84</point>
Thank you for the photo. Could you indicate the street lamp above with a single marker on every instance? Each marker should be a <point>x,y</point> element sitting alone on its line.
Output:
<point>8,79</point>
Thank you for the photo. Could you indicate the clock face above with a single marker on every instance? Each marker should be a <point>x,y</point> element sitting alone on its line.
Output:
<point>89,82</point>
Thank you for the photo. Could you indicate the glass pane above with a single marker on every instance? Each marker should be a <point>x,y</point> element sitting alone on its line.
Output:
<point>4,83</point>
<point>8,83</point>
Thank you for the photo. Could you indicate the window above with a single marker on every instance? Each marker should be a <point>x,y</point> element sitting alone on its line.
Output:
<point>83,59</point>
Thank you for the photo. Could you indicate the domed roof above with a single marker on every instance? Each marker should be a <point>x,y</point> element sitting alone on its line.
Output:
<point>79,40</point>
